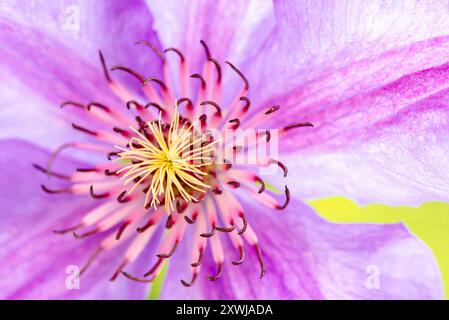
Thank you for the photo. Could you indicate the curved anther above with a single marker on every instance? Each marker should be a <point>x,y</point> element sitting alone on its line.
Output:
<point>189,102</point>
<point>53,191</point>
<point>208,234</point>
<point>245,224</point>
<point>50,173</point>
<point>121,229</point>
<point>72,103</point>
<point>90,260</point>
<point>217,67</point>
<point>262,184</point>
<point>82,129</point>
<point>217,190</point>
<point>287,200</point>
<point>134,103</point>
<point>155,105</point>
<point>213,104</point>
<point>131,277</point>
<point>219,273</point>
<point>242,257</point>
<point>226,229</point>
<point>247,103</point>
<point>156,80</point>
<point>280,165</point>
<point>189,220</point>
<point>118,270</point>
<point>122,197</point>
<point>86,169</point>
<point>298,125</point>
<point>179,53</point>
<point>200,258</point>
<point>268,134</point>
<point>153,48</point>
<point>97,196</point>
<point>235,123</point>
<point>241,75</point>
<point>108,172</point>
<point>70,229</point>
<point>206,49</point>
<point>273,109</point>
<point>111,154</point>
<point>189,284</point>
<point>130,71</point>
<point>180,208</point>
<point>84,235</point>
<point>154,267</point>
<point>200,77</point>
<point>168,255</point>
<point>149,223</point>
<point>121,131</point>
<point>262,263</point>
<point>234,184</point>
<point>105,68</point>
<point>98,105</point>
<point>169,222</point>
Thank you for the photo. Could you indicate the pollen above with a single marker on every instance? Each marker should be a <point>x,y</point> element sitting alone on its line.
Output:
<point>167,162</point>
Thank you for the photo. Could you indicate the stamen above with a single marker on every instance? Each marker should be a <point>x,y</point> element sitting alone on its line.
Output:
<point>82,129</point>
<point>121,229</point>
<point>53,191</point>
<point>247,103</point>
<point>98,105</point>
<point>84,235</point>
<point>168,255</point>
<point>219,273</point>
<point>156,80</point>
<point>153,48</point>
<point>218,68</point>
<point>200,258</point>
<point>127,275</point>
<point>235,123</point>
<point>206,49</point>
<point>50,173</point>
<point>90,260</point>
<point>189,284</point>
<point>213,104</point>
<point>181,56</point>
<point>273,109</point>
<point>131,72</point>
<point>298,125</point>
<point>242,257</point>
<point>200,77</point>
<point>97,196</point>
<point>262,184</point>
<point>262,263</point>
<point>70,229</point>
<point>280,165</point>
<point>86,169</point>
<point>287,200</point>
<point>189,102</point>
<point>105,68</point>
<point>134,103</point>
<point>122,199</point>
<point>72,103</point>
<point>155,105</point>
<point>234,184</point>
<point>241,75</point>
<point>245,224</point>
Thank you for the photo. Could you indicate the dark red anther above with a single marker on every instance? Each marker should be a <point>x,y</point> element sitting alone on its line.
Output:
<point>97,196</point>
<point>53,191</point>
<point>82,129</point>
<point>298,125</point>
<point>190,220</point>
<point>280,165</point>
<point>180,208</point>
<point>218,68</point>
<point>105,68</point>
<point>261,182</point>
<point>50,173</point>
<point>118,270</point>
<point>155,105</point>
<point>241,75</point>
<point>149,223</point>
<point>108,172</point>
<point>131,72</point>
<point>179,53</point>
<point>219,273</point>
<point>189,284</point>
<point>155,80</point>
<point>153,48</point>
<point>247,103</point>
<point>200,77</point>
<point>169,254</point>
<point>169,223</point>
<point>121,229</point>
<point>111,154</point>
<point>84,235</point>
<point>134,103</point>
<point>287,200</point>
<point>137,279</point>
<point>213,104</point>
<point>217,190</point>
<point>98,105</point>
<point>90,260</point>
<point>273,109</point>
<point>245,223</point>
<point>234,184</point>
<point>206,49</point>
<point>72,103</point>
<point>242,257</point>
<point>226,229</point>
<point>235,123</point>
<point>200,258</point>
<point>122,197</point>
<point>70,229</point>
<point>209,234</point>
<point>154,267</point>
<point>203,119</point>
<point>123,132</point>
<point>87,169</point>
<point>189,102</point>
<point>268,134</point>
<point>237,149</point>
<point>262,264</point>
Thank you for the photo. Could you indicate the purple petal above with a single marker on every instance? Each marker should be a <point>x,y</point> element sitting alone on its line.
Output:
<point>309,258</point>
<point>33,258</point>
<point>44,65</point>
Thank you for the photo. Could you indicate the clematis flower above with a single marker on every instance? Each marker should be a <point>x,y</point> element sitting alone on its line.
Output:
<point>132,187</point>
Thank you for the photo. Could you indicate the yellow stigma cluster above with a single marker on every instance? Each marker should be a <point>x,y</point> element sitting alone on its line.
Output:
<point>170,166</point>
